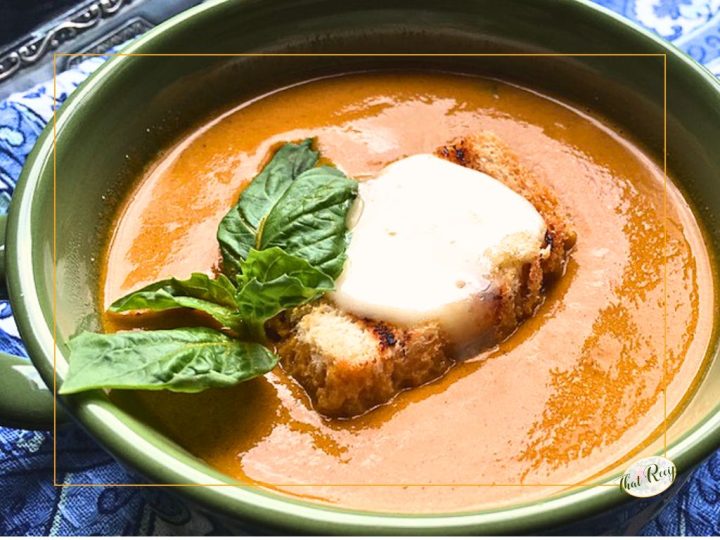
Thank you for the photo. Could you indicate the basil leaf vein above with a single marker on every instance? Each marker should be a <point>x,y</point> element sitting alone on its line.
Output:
<point>292,205</point>
<point>182,360</point>
<point>240,229</point>
<point>309,220</point>
<point>273,281</point>
<point>214,296</point>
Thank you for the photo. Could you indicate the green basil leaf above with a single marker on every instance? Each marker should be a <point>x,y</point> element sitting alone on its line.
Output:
<point>273,281</point>
<point>309,220</point>
<point>214,296</point>
<point>181,360</point>
<point>240,229</point>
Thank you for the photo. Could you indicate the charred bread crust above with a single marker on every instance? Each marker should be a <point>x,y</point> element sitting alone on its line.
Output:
<point>519,296</point>
<point>369,365</point>
<point>348,365</point>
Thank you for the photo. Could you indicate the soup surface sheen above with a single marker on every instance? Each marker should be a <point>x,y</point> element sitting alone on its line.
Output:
<point>572,394</point>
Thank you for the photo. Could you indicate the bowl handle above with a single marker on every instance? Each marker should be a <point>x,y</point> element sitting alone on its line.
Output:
<point>25,401</point>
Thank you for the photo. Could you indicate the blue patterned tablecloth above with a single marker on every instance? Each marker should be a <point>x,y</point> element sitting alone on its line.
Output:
<point>30,505</point>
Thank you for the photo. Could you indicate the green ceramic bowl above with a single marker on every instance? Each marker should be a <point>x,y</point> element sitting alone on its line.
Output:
<point>134,106</point>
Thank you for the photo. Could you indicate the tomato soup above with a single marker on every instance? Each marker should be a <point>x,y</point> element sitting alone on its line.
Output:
<point>581,387</point>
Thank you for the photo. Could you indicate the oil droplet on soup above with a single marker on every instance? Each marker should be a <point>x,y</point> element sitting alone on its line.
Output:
<point>574,392</point>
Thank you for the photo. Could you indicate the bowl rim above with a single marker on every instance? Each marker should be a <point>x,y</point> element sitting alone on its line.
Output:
<point>112,428</point>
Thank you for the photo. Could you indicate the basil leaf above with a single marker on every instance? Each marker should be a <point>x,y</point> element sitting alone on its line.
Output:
<point>309,219</point>
<point>216,297</point>
<point>240,229</point>
<point>273,280</point>
<point>181,360</point>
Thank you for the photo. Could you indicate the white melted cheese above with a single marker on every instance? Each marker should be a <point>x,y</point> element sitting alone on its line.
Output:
<point>427,239</point>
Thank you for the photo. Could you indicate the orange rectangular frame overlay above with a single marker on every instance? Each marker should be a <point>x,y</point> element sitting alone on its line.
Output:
<point>456,484</point>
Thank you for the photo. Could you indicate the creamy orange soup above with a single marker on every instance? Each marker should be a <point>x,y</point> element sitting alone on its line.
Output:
<point>575,391</point>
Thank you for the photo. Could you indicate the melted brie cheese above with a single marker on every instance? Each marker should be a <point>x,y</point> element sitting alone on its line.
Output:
<point>428,239</point>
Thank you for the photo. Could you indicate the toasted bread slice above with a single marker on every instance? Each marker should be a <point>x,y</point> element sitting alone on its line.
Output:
<point>348,365</point>
<point>520,295</point>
